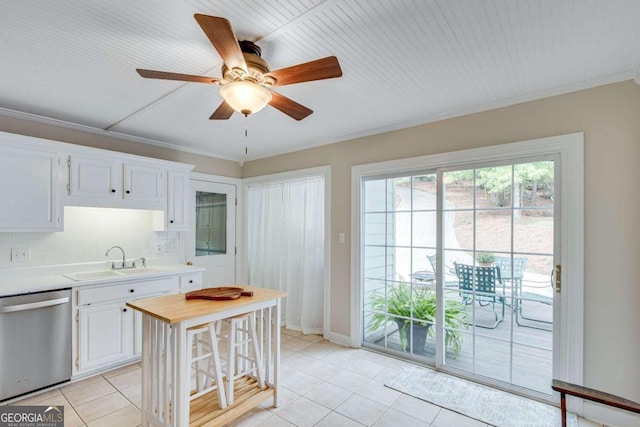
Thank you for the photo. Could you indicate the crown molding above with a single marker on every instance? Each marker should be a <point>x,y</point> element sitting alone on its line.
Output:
<point>432,118</point>
<point>6,112</point>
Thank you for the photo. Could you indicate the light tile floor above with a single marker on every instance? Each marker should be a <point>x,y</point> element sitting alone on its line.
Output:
<point>322,384</point>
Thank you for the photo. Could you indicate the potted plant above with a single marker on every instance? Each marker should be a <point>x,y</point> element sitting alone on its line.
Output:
<point>399,302</point>
<point>485,259</point>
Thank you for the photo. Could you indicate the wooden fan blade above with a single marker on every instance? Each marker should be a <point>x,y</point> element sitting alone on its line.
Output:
<point>325,68</point>
<point>163,75</point>
<point>288,106</point>
<point>221,36</point>
<point>223,112</point>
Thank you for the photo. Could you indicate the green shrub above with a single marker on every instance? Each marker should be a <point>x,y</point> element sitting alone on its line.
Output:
<point>402,299</point>
<point>485,258</point>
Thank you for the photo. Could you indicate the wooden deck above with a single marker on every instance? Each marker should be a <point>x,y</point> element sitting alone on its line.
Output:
<point>528,364</point>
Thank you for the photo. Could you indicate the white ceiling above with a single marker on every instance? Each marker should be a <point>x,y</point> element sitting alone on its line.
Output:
<point>405,62</point>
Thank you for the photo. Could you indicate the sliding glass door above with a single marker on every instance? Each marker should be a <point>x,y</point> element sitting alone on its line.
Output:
<point>456,270</point>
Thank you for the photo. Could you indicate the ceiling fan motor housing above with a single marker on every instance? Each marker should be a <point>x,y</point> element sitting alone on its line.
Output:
<point>256,66</point>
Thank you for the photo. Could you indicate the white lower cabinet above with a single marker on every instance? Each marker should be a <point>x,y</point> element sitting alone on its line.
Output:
<point>105,335</point>
<point>108,332</point>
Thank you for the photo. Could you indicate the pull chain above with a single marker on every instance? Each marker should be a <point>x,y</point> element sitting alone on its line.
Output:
<point>246,134</point>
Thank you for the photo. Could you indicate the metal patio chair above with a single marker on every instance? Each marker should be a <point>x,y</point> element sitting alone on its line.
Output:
<point>515,276</point>
<point>450,280</point>
<point>483,281</point>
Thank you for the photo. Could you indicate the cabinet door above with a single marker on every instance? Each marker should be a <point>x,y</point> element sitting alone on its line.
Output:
<point>105,335</point>
<point>94,178</point>
<point>30,184</point>
<point>177,200</point>
<point>144,183</point>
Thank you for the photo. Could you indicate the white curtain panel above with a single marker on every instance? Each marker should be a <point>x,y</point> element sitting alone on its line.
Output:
<point>286,247</point>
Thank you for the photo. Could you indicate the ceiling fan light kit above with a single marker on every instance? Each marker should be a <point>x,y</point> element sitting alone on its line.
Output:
<point>245,97</point>
<point>246,78</point>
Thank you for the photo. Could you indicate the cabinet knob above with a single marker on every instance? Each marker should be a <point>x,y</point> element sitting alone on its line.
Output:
<point>171,221</point>
<point>113,190</point>
<point>190,281</point>
<point>128,192</point>
<point>132,290</point>
<point>124,310</point>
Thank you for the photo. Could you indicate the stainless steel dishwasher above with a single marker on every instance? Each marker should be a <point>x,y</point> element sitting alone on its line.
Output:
<point>35,341</point>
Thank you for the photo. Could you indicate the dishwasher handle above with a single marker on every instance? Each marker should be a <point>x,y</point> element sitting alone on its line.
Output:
<point>33,305</point>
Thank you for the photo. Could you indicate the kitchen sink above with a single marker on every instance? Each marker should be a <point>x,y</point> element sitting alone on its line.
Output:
<point>105,274</point>
<point>136,271</point>
<point>92,275</point>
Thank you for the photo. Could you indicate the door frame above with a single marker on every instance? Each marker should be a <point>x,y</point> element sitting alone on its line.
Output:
<point>324,171</point>
<point>217,179</point>
<point>570,151</point>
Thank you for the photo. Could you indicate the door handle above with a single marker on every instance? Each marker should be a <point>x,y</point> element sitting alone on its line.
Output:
<point>33,305</point>
<point>556,278</point>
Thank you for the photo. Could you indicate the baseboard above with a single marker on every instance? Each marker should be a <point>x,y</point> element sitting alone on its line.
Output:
<point>610,416</point>
<point>340,339</point>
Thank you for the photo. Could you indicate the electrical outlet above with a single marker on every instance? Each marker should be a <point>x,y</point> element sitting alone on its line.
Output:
<point>159,248</point>
<point>20,254</point>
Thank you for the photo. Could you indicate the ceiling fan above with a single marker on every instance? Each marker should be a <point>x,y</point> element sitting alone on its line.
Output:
<point>246,78</point>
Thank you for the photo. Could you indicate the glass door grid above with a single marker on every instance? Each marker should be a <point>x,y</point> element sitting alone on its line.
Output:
<point>514,347</point>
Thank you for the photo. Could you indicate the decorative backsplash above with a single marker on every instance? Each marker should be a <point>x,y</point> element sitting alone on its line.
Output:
<point>89,232</point>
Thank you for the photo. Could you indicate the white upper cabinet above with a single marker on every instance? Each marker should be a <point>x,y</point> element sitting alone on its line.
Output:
<point>99,180</point>
<point>94,177</point>
<point>38,177</point>
<point>177,200</point>
<point>30,187</point>
<point>144,183</point>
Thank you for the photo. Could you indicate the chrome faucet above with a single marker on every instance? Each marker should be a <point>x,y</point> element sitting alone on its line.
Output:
<point>124,260</point>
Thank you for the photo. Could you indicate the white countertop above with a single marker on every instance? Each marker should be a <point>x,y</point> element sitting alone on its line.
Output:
<point>36,279</point>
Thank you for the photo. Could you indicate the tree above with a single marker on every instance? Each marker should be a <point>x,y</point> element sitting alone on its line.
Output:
<point>537,174</point>
<point>497,181</point>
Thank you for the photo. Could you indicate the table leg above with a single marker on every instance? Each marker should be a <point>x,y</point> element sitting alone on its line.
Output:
<point>276,362</point>
<point>146,320</point>
<point>563,408</point>
<point>183,378</point>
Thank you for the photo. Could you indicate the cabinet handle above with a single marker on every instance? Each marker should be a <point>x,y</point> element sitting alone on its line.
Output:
<point>124,310</point>
<point>113,190</point>
<point>132,290</point>
<point>128,192</point>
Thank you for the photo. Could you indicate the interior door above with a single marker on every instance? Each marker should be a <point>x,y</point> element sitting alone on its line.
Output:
<point>213,234</point>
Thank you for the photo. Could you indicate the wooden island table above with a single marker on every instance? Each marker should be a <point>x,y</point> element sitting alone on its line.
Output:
<point>166,378</point>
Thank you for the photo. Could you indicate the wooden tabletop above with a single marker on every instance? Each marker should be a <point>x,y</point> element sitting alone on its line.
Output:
<point>176,308</point>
